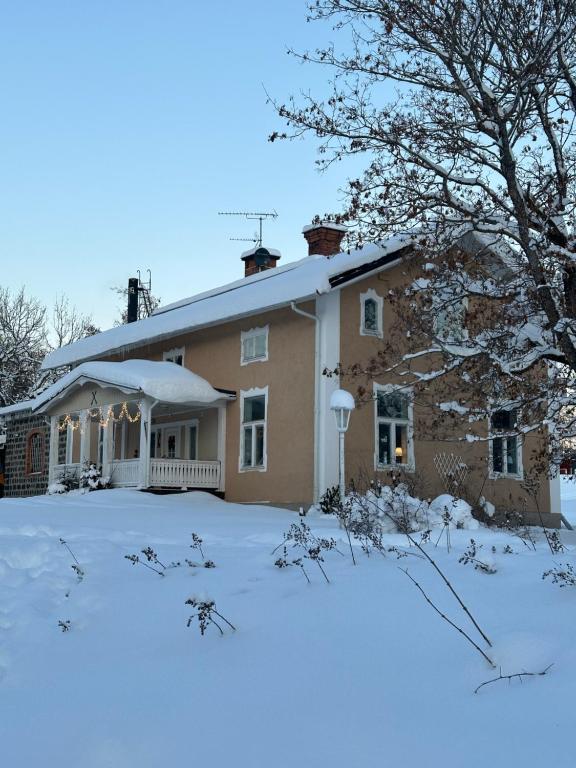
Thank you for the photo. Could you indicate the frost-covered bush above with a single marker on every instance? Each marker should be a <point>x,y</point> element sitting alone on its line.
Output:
<point>399,512</point>
<point>64,482</point>
<point>91,478</point>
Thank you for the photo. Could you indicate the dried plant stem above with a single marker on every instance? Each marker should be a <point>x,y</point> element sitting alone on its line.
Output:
<point>452,624</point>
<point>519,675</point>
<point>223,619</point>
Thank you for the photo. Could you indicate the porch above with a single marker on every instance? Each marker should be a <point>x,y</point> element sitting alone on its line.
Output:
<point>164,473</point>
<point>139,439</point>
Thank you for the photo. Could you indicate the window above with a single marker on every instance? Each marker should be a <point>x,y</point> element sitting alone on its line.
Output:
<point>175,355</point>
<point>254,345</point>
<point>371,314</point>
<point>505,453</point>
<point>193,444</point>
<point>449,322</point>
<point>253,406</point>
<point>394,428</point>
<point>34,452</point>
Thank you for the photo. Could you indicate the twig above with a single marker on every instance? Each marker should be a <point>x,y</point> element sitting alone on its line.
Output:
<point>520,675</point>
<point>455,626</point>
<point>223,619</point>
<point>69,550</point>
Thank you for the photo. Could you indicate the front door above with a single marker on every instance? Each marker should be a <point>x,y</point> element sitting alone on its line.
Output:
<point>171,443</point>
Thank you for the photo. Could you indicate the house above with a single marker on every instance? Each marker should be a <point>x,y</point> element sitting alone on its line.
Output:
<point>226,391</point>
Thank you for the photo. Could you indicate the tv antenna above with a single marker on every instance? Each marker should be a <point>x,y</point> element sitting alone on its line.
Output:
<point>144,291</point>
<point>252,216</point>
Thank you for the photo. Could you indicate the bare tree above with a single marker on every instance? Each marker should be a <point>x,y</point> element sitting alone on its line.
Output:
<point>27,335</point>
<point>478,140</point>
<point>68,325</point>
<point>22,338</point>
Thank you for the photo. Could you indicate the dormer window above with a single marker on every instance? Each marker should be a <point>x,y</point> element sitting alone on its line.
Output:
<point>371,306</point>
<point>175,355</point>
<point>254,345</point>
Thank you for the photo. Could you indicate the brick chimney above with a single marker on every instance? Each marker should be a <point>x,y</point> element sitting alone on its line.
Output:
<point>324,238</point>
<point>258,259</point>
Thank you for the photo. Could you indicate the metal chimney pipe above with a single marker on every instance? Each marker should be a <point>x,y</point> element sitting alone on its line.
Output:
<point>132,314</point>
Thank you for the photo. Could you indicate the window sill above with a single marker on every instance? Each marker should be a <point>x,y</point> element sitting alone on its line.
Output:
<point>262,359</point>
<point>391,467</point>
<point>373,334</point>
<point>253,469</point>
<point>505,476</point>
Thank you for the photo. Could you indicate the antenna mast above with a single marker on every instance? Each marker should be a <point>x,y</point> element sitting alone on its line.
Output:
<point>253,217</point>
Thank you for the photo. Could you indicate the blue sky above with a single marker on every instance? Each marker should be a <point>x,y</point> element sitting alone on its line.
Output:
<point>128,124</point>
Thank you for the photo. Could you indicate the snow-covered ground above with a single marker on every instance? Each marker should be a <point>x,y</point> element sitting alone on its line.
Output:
<point>358,672</point>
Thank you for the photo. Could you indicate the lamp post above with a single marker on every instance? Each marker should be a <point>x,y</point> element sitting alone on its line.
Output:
<point>342,403</point>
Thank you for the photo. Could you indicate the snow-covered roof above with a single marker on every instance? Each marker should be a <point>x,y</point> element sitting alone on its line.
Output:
<point>264,291</point>
<point>25,405</point>
<point>166,382</point>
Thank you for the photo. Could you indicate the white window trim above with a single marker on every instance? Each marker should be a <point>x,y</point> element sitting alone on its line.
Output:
<point>254,392</point>
<point>170,354</point>
<point>519,448</point>
<point>410,465</point>
<point>244,335</point>
<point>379,332</point>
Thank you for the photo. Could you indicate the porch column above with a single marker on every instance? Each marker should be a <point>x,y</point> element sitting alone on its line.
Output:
<point>53,454</point>
<point>85,424</point>
<point>107,448</point>
<point>222,446</point>
<point>144,451</point>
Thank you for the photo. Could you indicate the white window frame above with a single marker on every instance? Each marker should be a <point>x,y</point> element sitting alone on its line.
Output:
<point>492,474</point>
<point>387,389</point>
<point>378,332</point>
<point>251,334</point>
<point>246,394</point>
<point>170,354</point>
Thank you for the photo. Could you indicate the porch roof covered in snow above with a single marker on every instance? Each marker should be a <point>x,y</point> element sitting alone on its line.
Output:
<point>161,381</point>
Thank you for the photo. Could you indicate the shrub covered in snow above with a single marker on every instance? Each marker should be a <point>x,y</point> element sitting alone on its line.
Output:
<point>91,478</point>
<point>397,511</point>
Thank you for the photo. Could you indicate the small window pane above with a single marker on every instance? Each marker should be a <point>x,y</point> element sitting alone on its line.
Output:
<point>392,406</point>
<point>498,454</point>
<point>259,446</point>
<point>512,455</point>
<point>171,446</point>
<point>193,434</point>
<point>384,444</point>
<point>370,318</point>
<point>254,409</point>
<point>260,345</point>
<point>401,446</point>
<point>247,457</point>
<point>504,420</point>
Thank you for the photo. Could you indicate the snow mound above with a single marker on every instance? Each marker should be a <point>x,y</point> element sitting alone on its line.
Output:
<point>398,511</point>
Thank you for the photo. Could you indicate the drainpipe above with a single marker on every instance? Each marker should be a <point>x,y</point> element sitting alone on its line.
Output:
<point>317,374</point>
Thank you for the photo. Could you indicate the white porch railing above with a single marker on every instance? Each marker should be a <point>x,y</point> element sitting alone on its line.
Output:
<point>124,473</point>
<point>180,473</point>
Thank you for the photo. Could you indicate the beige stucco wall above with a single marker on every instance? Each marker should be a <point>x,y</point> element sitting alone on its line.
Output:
<point>434,431</point>
<point>214,353</point>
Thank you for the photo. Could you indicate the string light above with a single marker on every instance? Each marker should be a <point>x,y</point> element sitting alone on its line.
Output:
<point>74,422</point>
